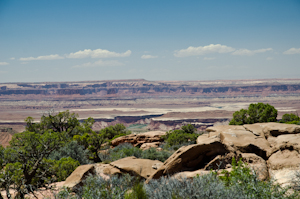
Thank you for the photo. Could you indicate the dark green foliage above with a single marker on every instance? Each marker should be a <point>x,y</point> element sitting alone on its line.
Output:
<point>63,168</point>
<point>71,149</point>
<point>256,113</point>
<point>290,119</point>
<point>137,192</point>
<point>153,154</point>
<point>111,131</point>
<point>187,134</point>
<point>94,141</point>
<point>126,150</point>
<point>62,122</point>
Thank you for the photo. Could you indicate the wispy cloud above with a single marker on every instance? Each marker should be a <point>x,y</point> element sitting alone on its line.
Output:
<point>98,53</point>
<point>99,63</point>
<point>45,57</point>
<point>148,56</point>
<point>269,58</point>
<point>292,51</point>
<point>12,58</point>
<point>3,63</point>
<point>87,53</point>
<point>250,52</point>
<point>202,50</point>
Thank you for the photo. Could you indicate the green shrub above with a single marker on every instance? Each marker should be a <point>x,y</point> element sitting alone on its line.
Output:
<point>126,150</point>
<point>290,119</point>
<point>64,167</point>
<point>137,192</point>
<point>121,151</point>
<point>256,113</point>
<point>73,150</point>
<point>153,154</point>
<point>187,134</point>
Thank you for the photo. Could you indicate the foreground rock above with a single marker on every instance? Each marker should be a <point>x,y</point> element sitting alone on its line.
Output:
<point>272,150</point>
<point>139,167</point>
<point>237,138</point>
<point>189,158</point>
<point>75,180</point>
<point>139,139</point>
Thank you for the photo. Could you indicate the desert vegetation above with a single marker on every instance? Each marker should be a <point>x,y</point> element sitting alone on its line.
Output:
<point>50,150</point>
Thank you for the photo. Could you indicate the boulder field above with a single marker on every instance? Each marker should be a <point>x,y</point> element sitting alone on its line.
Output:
<point>271,149</point>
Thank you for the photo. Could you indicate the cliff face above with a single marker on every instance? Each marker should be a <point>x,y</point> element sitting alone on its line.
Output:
<point>148,89</point>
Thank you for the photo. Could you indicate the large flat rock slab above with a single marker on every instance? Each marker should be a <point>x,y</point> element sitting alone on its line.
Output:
<point>139,167</point>
<point>237,138</point>
<point>75,180</point>
<point>188,158</point>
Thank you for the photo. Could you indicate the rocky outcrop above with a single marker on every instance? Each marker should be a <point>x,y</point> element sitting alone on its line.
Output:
<point>139,139</point>
<point>75,180</point>
<point>272,150</point>
<point>237,138</point>
<point>138,167</point>
<point>188,158</point>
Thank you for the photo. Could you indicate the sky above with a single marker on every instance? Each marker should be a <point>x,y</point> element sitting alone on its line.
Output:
<point>85,40</point>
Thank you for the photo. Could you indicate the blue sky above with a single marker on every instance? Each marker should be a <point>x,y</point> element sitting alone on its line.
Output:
<point>77,40</point>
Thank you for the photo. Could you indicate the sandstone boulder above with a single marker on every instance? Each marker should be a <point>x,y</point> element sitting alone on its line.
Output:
<point>106,170</point>
<point>136,166</point>
<point>257,129</point>
<point>284,159</point>
<point>276,129</point>
<point>190,174</point>
<point>237,138</point>
<point>287,141</point>
<point>139,139</point>
<point>75,180</point>
<point>146,146</point>
<point>188,158</point>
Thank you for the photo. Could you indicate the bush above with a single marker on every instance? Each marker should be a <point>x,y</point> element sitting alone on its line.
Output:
<point>187,134</point>
<point>121,151</point>
<point>126,150</point>
<point>153,154</point>
<point>290,119</point>
<point>256,113</point>
<point>73,150</point>
<point>64,167</point>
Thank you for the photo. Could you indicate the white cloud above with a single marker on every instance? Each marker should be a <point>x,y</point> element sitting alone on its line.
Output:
<point>269,58</point>
<point>148,56</point>
<point>292,51</point>
<point>99,63</point>
<point>250,52</point>
<point>12,58</point>
<point>209,58</point>
<point>24,62</point>
<point>46,57</point>
<point>3,63</point>
<point>98,53</point>
<point>201,50</point>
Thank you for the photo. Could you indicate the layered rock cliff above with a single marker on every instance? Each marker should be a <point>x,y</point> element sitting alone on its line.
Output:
<point>149,89</point>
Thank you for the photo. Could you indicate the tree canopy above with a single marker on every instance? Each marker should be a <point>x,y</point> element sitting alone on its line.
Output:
<point>256,113</point>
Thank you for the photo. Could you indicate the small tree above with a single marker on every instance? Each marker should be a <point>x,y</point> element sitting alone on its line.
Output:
<point>290,118</point>
<point>256,113</point>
